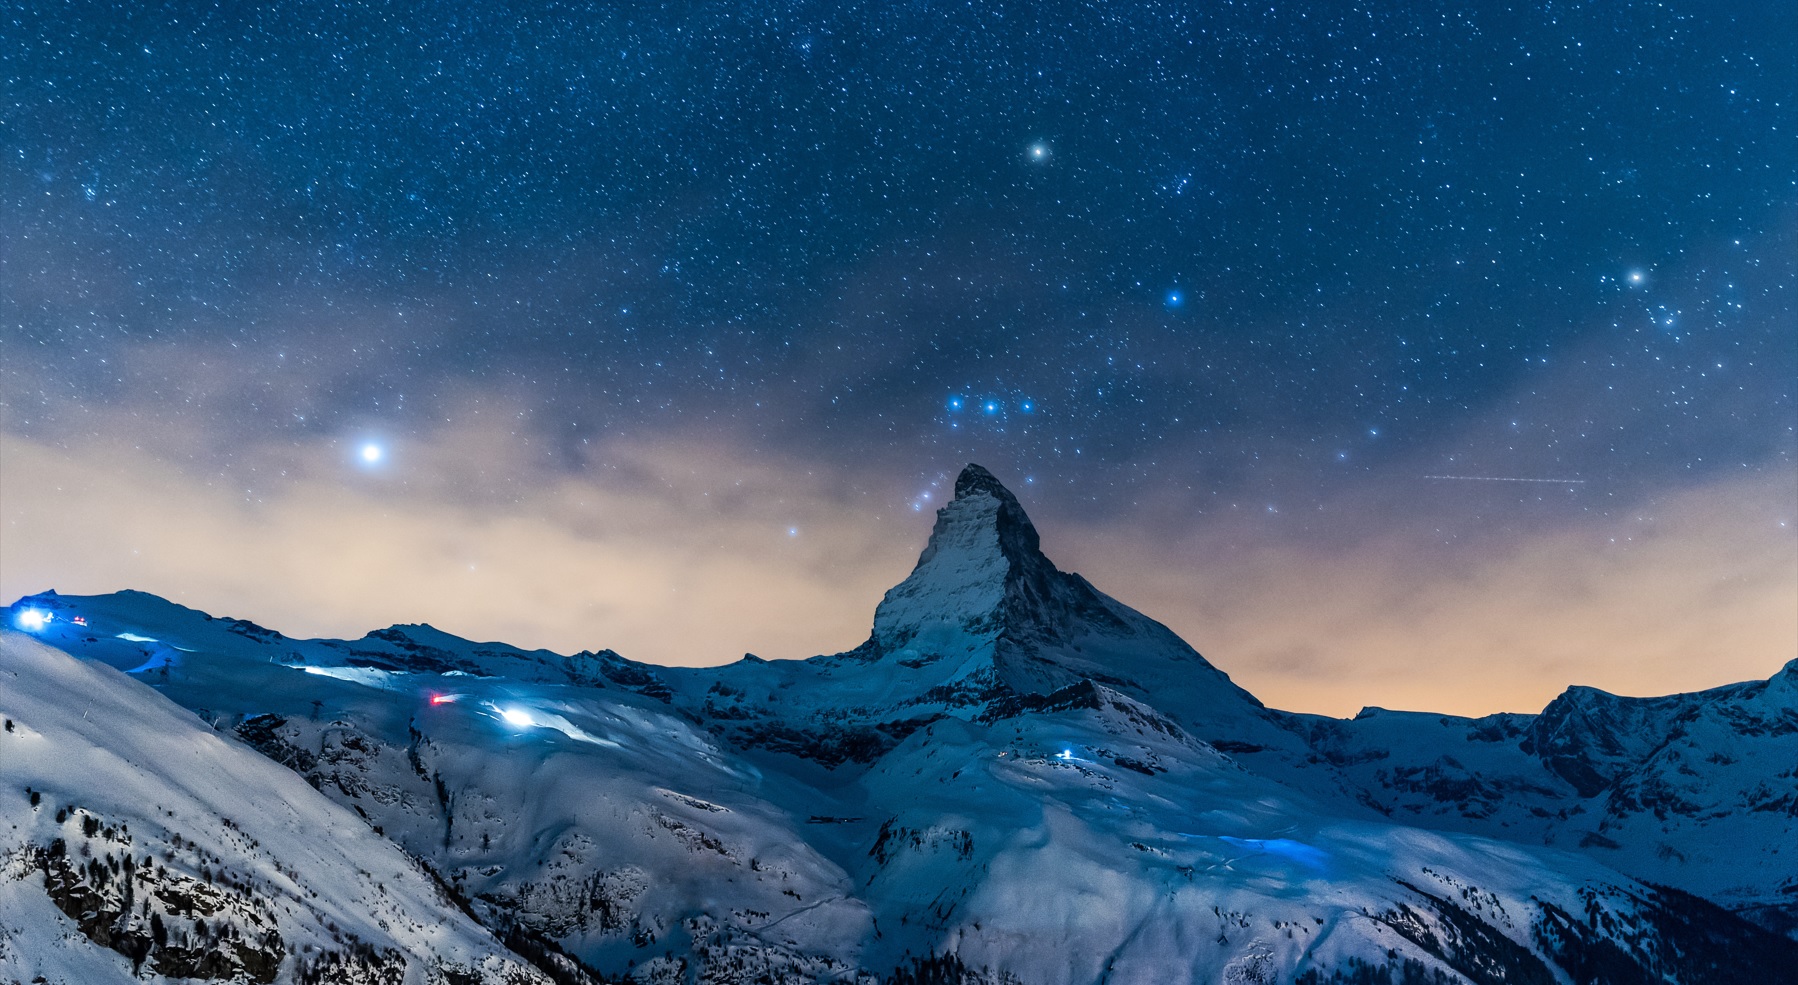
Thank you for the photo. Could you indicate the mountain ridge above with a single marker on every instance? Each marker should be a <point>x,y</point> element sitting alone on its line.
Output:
<point>1008,742</point>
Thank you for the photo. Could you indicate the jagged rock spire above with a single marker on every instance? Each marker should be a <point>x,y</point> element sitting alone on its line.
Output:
<point>975,479</point>
<point>983,574</point>
<point>959,580</point>
<point>990,611</point>
<point>983,501</point>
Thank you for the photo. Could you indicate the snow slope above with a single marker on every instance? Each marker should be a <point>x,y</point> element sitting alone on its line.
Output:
<point>125,814</point>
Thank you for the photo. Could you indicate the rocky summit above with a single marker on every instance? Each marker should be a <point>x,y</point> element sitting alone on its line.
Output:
<point>1016,778</point>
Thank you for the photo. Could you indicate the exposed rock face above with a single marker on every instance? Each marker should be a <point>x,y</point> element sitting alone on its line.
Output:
<point>1590,738</point>
<point>219,932</point>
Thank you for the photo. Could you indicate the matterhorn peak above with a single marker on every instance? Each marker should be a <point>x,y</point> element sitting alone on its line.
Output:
<point>983,576</point>
<point>975,479</point>
<point>986,606</point>
<point>1017,537</point>
<point>982,540</point>
<point>987,501</point>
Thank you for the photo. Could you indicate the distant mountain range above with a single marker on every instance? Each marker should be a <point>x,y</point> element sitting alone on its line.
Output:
<point>1016,779</point>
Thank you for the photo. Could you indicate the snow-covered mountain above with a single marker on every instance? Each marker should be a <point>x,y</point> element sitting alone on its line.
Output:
<point>138,841</point>
<point>1698,791</point>
<point>1016,778</point>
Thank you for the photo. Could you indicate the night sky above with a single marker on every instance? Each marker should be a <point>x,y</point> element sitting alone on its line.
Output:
<point>667,327</point>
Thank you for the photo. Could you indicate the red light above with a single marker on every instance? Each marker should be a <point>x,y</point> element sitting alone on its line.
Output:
<point>439,699</point>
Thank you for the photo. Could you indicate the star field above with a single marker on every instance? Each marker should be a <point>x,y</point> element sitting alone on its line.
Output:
<point>1164,261</point>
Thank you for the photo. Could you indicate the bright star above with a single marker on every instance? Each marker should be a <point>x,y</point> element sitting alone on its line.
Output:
<point>371,453</point>
<point>1175,299</point>
<point>1040,152</point>
<point>992,407</point>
